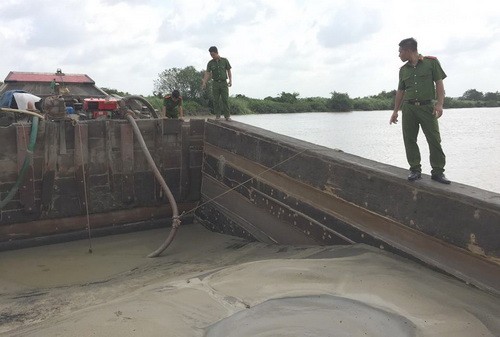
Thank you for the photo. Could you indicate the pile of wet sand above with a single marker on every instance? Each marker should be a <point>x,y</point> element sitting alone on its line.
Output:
<point>208,284</point>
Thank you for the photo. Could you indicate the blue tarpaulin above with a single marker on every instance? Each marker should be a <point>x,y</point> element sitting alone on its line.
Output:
<point>7,97</point>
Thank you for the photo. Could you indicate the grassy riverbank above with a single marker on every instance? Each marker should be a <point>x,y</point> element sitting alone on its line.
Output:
<point>241,105</point>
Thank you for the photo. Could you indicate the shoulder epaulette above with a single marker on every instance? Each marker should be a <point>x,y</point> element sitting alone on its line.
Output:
<point>431,57</point>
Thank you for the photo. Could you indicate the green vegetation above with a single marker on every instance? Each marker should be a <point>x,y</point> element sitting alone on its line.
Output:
<point>115,92</point>
<point>199,102</point>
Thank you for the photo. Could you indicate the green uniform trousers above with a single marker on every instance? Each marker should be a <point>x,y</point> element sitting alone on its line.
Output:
<point>220,92</point>
<point>172,113</point>
<point>415,117</point>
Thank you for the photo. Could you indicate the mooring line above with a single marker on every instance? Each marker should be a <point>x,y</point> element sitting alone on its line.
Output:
<point>85,188</point>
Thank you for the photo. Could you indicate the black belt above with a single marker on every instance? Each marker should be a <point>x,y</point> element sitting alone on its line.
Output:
<point>220,80</point>
<point>418,102</point>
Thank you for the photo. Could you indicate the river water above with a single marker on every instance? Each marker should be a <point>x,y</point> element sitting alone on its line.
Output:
<point>470,139</point>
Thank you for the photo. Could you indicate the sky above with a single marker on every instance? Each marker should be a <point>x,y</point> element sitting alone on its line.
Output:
<point>312,47</point>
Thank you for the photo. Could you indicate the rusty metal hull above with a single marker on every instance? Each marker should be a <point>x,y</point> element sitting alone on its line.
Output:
<point>96,167</point>
<point>323,196</point>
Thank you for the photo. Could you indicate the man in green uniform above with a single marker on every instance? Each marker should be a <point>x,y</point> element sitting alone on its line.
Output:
<point>219,70</point>
<point>172,105</point>
<point>415,96</point>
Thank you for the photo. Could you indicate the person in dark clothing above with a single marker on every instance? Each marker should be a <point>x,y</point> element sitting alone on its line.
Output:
<point>172,105</point>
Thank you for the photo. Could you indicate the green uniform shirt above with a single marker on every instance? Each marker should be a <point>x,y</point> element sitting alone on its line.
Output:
<point>418,81</point>
<point>171,106</point>
<point>219,69</point>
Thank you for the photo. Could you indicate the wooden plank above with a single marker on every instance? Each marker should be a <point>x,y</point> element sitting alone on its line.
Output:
<point>125,217</point>
<point>159,153</point>
<point>81,163</point>
<point>184,184</point>
<point>62,139</point>
<point>50,165</point>
<point>127,156</point>
<point>27,187</point>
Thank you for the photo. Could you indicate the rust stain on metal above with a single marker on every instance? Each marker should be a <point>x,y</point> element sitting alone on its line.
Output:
<point>473,246</point>
<point>27,188</point>
<point>50,165</point>
<point>81,162</point>
<point>445,256</point>
<point>127,157</point>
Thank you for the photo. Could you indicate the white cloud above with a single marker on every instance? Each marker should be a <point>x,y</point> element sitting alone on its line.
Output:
<point>349,25</point>
<point>313,47</point>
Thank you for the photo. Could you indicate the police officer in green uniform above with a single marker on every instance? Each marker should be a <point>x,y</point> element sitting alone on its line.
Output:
<point>415,96</point>
<point>172,105</point>
<point>219,69</point>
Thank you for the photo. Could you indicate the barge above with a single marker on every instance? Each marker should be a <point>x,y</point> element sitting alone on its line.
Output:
<point>90,178</point>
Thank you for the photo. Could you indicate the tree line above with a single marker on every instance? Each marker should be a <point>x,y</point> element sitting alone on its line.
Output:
<point>198,102</point>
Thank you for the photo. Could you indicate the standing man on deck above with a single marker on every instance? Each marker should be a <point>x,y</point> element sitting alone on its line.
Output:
<point>415,95</point>
<point>219,69</point>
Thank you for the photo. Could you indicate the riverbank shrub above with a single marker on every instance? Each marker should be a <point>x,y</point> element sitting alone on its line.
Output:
<point>338,102</point>
<point>244,106</point>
